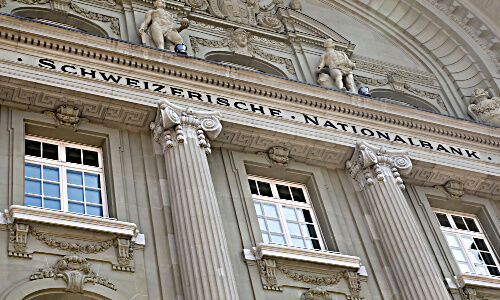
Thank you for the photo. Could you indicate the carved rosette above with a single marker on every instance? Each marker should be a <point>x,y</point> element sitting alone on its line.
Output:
<point>175,124</point>
<point>370,164</point>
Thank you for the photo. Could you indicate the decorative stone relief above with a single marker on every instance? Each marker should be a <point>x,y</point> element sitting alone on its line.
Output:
<point>485,109</point>
<point>240,42</point>
<point>67,115</point>
<point>162,25</point>
<point>75,271</point>
<point>60,5</point>
<point>453,189</point>
<point>295,5</point>
<point>354,284</point>
<point>471,294</point>
<point>71,246</point>
<point>267,269</point>
<point>18,238</point>
<point>315,294</point>
<point>339,65</point>
<point>368,161</point>
<point>3,3</point>
<point>278,156</point>
<point>311,279</point>
<point>125,254</point>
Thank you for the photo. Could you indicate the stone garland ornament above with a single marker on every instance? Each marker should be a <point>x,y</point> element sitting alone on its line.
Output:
<point>72,246</point>
<point>175,122</point>
<point>161,25</point>
<point>483,108</point>
<point>316,280</point>
<point>115,25</point>
<point>75,271</point>
<point>370,164</point>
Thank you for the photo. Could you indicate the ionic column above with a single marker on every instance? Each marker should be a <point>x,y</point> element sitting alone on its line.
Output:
<point>377,174</point>
<point>205,266</point>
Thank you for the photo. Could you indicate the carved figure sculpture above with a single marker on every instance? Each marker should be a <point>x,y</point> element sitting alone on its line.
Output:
<point>483,109</point>
<point>239,42</point>
<point>340,66</point>
<point>162,25</point>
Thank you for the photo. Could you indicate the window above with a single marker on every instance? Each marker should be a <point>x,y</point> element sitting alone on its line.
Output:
<point>64,176</point>
<point>467,243</point>
<point>285,214</point>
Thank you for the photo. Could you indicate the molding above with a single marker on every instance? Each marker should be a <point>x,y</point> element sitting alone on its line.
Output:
<point>17,213</point>
<point>466,280</point>
<point>306,255</point>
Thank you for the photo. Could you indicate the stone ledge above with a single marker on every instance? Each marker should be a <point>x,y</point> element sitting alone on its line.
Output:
<point>301,254</point>
<point>472,280</point>
<point>55,217</point>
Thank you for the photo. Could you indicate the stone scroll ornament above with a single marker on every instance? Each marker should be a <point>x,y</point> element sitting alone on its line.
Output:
<point>177,123</point>
<point>370,164</point>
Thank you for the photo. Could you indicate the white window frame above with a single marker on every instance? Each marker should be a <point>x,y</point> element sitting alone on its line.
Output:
<point>62,165</point>
<point>276,200</point>
<point>457,232</point>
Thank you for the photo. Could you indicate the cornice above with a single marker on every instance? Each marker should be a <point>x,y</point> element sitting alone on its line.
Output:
<point>113,52</point>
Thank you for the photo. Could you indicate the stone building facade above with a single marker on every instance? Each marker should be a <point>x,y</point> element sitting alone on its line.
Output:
<point>219,149</point>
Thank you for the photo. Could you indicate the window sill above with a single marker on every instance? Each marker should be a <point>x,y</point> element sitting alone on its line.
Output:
<point>473,280</point>
<point>306,255</point>
<point>55,217</point>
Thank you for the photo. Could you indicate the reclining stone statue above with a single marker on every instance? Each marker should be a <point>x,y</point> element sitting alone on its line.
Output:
<point>340,66</point>
<point>162,25</point>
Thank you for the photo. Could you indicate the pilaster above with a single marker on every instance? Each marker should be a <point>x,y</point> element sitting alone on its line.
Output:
<point>377,175</point>
<point>184,134</point>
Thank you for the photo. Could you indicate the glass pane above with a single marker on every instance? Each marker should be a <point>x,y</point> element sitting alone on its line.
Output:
<point>459,222</point>
<point>278,239</point>
<point>481,245</point>
<point>258,209</point>
<point>300,213</point>
<point>50,151</point>
<point>73,155</point>
<point>307,216</point>
<point>32,148</point>
<point>74,177</point>
<point>493,271</point>
<point>468,242</point>
<point>305,230</point>
<point>289,213</point>
<point>471,224</point>
<point>487,258</point>
<point>311,230</point>
<point>293,228</point>
<point>452,240</point>
<point>265,189</point>
<point>32,170</point>
<point>75,193</point>
<point>458,254</point>
<point>94,210</point>
<point>262,224</point>
<point>443,220</point>
<point>93,196</point>
<point>480,269</point>
<point>316,244</point>
<point>50,173</point>
<point>298,194</point>
<point>253,187</point>
<point>274,225</point>
<point>52,203</point>
<point>464,268</point>
<point>32,201</point>
<point>90,158</point>
<point>309,244</point>
<point>270,210</point>
<point>76,207</point>
<point>32,186</point>
<point>51,189</point>
<point>92,180</point>
<point>265,237</point>
<point>284,192</point>
<point>474,257</point>
<point>298,242</point>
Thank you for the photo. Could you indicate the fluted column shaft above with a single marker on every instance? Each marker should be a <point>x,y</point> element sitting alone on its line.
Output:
<point>377,174</point>
<point>204,261</point>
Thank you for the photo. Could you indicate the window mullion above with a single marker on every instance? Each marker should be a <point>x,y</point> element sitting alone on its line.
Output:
<point>288,238</point>
<point>64,195</point>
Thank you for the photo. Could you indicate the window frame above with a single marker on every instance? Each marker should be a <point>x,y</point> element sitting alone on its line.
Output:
<point>279,202</point>
<point>63,166</point>
<point>458,232</point>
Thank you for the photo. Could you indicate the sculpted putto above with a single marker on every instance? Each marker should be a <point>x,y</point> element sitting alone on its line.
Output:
<point>485,109</point>
<point>162,25</point>
<point>340,66</point>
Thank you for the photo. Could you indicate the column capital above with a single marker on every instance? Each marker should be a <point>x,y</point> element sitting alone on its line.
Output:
<point>174,124</point>
<point>369,162</point>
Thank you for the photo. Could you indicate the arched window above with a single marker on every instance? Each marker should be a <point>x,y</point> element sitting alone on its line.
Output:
<point>405,99</point>
<point>245,62</point>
